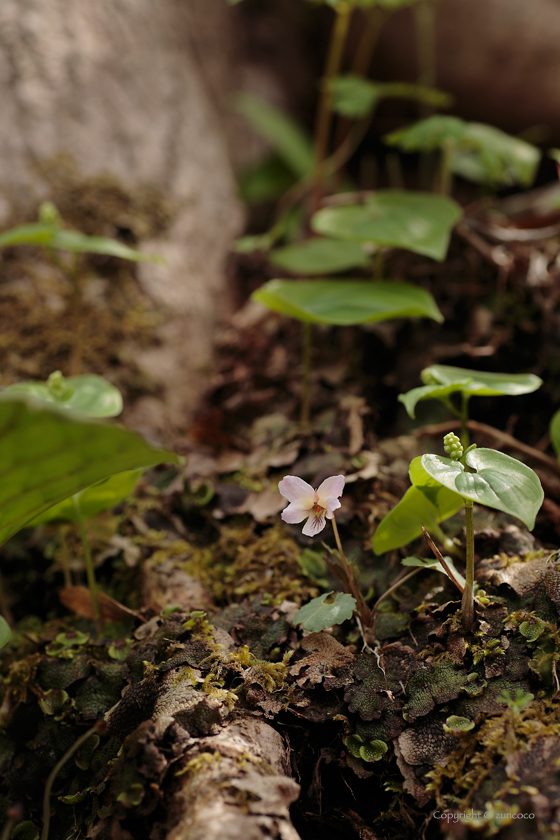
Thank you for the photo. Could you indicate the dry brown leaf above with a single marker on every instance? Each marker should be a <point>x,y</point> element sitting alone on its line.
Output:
<point>77,599</point>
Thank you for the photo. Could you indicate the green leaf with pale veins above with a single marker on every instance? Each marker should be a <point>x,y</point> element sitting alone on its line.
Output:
<point>497,481</point>
<point>47,455</point>
<point>427,506</point>
<point>317,615</point>
<point>444,380</point>
<point>99,497</point>
<point>416,221</point>
<point>345,302</point>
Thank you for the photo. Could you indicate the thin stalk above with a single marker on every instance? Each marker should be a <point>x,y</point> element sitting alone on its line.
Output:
<point>464,416</point>
<point>324,113</point>
<point>54,773</point>
<point>90,571</point>
<point>467,605</point>
<point>363,609</point>
<point>77,302</point>
<point>65,557</point>
<point>7,830</point>
<point>393,587</point>
<point>306,377</point>
<point>446,171</point>
<point>426,47</point>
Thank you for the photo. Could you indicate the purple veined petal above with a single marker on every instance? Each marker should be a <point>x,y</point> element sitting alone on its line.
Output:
<point>314,524</point>
<point>294,513</point>
<point>295,489</point>
<point>331,487</point>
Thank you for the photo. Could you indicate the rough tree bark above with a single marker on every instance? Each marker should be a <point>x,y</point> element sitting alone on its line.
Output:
<point>121,87</point>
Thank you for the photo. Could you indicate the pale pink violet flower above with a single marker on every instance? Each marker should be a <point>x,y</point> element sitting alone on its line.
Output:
<point>307,503</point>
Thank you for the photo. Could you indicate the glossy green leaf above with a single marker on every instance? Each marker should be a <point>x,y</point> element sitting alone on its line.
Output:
<point>554,430</point>
<point>47,455</point>
<point>345,302</point>
<point>432,563</point>
<point>284,135</point>
<point>495,157</point>
<point>427,506</point>
<point>415,221</point>
<point>102,496</point>
<point>498,481</point>
<point>5,632</point>
<point>35,233</point>
<point>52,236</point>
<point>88,394</point>
<point>320,256</point>
<point>356,97</point>
<point>480,152</point>
<point>444,380</point>
<point>79,243</point>
<point>317,615</point>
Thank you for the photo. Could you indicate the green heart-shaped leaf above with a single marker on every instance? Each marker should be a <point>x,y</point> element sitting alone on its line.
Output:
<point>444,380</point>
<point>99,497</point>
<point>419,222</point>
<point>5,632</point>
<point>555,432</point>
<point>47,455</point>
<point>316,615</point>
<point>320,256</point>
<point>346,302</point>
<point>500,482</point>
<point>426,506</point>
<point>89,394</point>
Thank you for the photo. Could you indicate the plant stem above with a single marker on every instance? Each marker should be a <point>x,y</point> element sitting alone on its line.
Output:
<point>464,415</point>
<point>324,113</point>
<point>363,609</point>
<point>446,172</point>
<point>467,605</point>
<point>65,557</point>
<point>393,587</point>
<point>306,377</point>
<point>54,773</point>
<point>426,47</point>
<point>7,830</point>
<point>90,571</point>
<point>77,300</point>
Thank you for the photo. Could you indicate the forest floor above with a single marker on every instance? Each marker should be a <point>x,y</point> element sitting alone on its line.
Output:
<point>207,579</point>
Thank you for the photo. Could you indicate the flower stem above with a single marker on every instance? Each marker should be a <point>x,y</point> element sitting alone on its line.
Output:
<point>306,378</point>
<point>467,605</point>
<point>363,609</point>
<point>54,773</point>
<point>324,113</point>
<point>90,571</point>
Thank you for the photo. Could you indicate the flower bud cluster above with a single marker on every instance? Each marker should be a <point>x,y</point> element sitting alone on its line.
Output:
<point>453,446</point>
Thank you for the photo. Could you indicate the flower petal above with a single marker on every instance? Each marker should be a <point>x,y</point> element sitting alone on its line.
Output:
<point>314,524</point>
<point>294,513</point>
<point>295,489</point>
<point>333,486</point>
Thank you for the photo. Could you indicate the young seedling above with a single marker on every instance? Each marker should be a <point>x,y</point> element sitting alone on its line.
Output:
<point>315,507</point>
<point>66,248</point>
<point>489,478</point>
<point>342,303</point>
<point>445,383</point>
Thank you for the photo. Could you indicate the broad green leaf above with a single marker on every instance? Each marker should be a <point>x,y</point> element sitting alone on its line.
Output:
<point>284,135</point>
<point>99,497</point>
<point>444,380</point>
<point>427,563</point>
<point>88,394</point>
<point>554,430</point>
<point>5,632</point>
<point>499,482</point>
<point>79,243</point>
<point>35,233</point>
<point>48,454</point>
<point>316,615</point>
<point>320,256</point>
<point>495,157</point>
<point>479,152</point>
<point>356,97</point>
<point>427,506</point>
<point>345,302</point>
<point>419,222</point>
